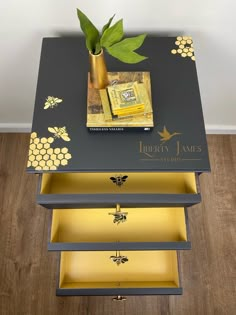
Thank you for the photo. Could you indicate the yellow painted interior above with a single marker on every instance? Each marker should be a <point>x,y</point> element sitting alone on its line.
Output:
<point>78,183</point>
<point>96,225</point>
<point>96,270</point>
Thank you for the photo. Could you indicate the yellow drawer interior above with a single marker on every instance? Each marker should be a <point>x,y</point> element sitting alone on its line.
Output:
<point>98,183</point>
<point>96,225</point>
<point>97,270</point>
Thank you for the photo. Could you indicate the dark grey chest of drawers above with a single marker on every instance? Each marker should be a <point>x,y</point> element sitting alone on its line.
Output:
<point>118,200</point>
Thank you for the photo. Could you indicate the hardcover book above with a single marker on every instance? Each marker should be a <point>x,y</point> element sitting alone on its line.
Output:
<point>125,99</point>
<point>140,117</point>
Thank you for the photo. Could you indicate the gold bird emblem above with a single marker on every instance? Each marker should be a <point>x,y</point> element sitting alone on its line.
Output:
<point>166,135</point>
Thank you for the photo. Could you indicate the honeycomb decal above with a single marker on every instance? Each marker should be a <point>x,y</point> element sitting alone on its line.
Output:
<point>185,47</point>
<point>43,157</point>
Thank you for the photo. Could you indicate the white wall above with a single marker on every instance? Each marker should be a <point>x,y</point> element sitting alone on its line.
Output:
<point>211,23</point>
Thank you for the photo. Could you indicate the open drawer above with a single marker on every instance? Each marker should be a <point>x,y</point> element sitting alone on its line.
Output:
<point>96,273</point>
<point>79,190</point>
<point>125,229</point>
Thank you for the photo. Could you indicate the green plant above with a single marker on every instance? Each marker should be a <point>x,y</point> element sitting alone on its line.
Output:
<point>111,39</point>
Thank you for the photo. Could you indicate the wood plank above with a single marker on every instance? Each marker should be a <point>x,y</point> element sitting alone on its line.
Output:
<point>28,273</point>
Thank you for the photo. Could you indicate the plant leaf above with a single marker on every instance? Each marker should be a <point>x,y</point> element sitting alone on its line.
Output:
<point>132,43</point>
<point>106,26</point>
<point>112,34</point>
<point>98,48</point>
<point>124,49</point>
<point>90,31</point>
<point>126,55</point>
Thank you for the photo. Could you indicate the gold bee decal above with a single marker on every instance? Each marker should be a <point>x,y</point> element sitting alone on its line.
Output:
<point>52,102</point>
<point>166,135</point>
<point>59,133</point>
<point>185,47</point>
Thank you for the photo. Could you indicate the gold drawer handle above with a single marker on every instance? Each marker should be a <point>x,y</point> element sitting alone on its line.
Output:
<point>119,259</point>
<point>119,217</point>
<point>119,298</point>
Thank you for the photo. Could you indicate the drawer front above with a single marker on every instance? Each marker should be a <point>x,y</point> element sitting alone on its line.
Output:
<point>97,273</point>
<point>119,229</point>
<point>86,190</point>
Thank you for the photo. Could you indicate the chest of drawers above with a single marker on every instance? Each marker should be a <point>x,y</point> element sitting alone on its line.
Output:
<point>119,202</point>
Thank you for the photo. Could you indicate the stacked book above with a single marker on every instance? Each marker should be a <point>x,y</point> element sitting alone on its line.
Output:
<point>124,105</point>
<point>125,99</point>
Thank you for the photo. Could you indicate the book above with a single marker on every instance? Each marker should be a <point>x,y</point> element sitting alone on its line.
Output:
<point>108,115</point>
<point>100,116</point>
<point>125,99</point>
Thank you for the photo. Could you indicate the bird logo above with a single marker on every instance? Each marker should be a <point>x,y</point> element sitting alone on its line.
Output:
<point>166,135</point>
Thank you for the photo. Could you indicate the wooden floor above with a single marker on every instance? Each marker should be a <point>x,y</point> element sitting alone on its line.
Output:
<point>28,273</point>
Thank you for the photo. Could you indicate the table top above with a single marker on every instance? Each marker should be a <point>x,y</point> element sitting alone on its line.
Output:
<point>61,142</point>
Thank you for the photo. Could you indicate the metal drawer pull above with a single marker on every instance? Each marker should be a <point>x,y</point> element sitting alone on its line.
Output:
<point>119,217</point>
<point>119,259</point>
<point>119,298</point>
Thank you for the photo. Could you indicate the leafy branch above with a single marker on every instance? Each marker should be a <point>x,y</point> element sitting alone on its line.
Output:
<point>111,39</point>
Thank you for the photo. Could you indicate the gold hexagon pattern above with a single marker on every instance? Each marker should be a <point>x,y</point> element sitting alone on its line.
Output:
<point>42,157</point>
<point>185,47</point>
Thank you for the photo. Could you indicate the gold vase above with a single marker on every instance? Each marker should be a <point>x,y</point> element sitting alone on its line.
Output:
<point>98,71</point>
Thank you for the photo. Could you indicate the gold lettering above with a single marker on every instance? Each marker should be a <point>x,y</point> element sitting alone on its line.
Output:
<point>191,148</point>
<point>178,148</point>
<point>140,146</point>
<point>152,150</point>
